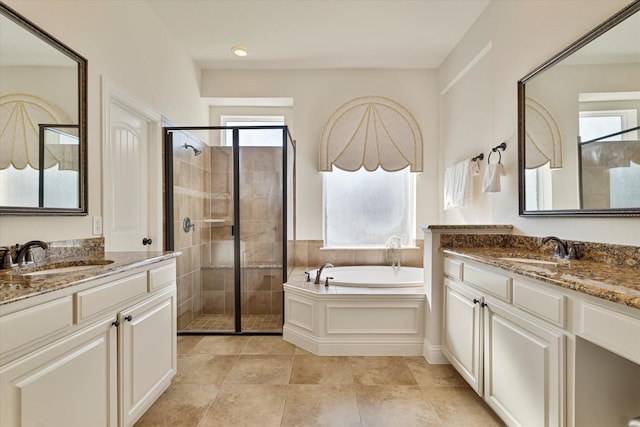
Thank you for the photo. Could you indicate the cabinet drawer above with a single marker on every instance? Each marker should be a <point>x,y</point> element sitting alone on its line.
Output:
<point>28,326</point>
<point>612,330</point>
<point>162,276</point>
<point>453,268</point>
<point>545,304</point>
<point>110,295</point>
<point>492,283</point>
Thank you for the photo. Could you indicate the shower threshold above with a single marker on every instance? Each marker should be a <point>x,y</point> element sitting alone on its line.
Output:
<point>251,323</point>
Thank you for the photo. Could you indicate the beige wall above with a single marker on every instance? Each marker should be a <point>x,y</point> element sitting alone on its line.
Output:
<point>316,95</point>
<point>478,102</point>
<point>126,44</point>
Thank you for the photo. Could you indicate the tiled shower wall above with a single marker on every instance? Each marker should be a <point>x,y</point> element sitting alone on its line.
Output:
<point>261,232</point>
<point>191,192</point>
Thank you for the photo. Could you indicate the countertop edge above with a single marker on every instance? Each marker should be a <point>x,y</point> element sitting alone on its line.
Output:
<point>585,285</point>
<point>127,261</point>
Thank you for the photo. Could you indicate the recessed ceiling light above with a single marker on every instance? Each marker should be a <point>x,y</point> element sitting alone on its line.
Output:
<point>240,51</point>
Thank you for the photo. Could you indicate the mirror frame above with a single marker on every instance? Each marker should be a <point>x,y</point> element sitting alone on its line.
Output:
<point>623,14</point>
<point>82,208</point>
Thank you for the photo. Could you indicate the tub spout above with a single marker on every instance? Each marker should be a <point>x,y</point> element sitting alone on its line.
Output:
<point>319,272</point>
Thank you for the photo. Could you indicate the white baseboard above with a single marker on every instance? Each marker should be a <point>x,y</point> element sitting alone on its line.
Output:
<point>434,355</point>
<point>353,346</point>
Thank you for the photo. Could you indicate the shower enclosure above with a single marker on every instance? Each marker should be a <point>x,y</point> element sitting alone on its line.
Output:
<point>229,198</point>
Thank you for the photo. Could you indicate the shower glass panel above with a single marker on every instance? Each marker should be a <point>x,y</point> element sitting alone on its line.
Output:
<point>228,214</point>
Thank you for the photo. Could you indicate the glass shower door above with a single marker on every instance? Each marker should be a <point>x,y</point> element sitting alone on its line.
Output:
<point>261,237</point>
<point>227,214</point>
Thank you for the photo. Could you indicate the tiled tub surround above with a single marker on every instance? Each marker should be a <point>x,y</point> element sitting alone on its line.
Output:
<point>15,287</point>
<point>310,254</point>
<point>610,272</point>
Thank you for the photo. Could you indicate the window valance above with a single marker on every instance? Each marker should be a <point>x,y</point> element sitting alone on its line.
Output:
<point>20,115</point>
<point>543,141</point>
<point>373,132</point>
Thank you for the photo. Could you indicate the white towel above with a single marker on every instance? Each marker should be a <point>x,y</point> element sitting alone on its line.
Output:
<point>458,184</point>
<point>491,181</point>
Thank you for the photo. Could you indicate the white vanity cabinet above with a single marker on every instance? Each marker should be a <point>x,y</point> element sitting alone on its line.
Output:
<point>70,382</point>
<point>111,352</point>
<point>524,368</point>
<point>509,357</point>
<point>147,353</point>
<point>462,335</point>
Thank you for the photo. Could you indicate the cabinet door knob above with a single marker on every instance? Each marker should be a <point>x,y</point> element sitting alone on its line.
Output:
<point>484,304</point>
<point>128,318</point>
<point>475,301</point>
<point>115,323</point>
<point>147,241</point>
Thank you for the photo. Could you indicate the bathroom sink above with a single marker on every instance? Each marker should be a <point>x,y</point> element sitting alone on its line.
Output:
<point>530,261</point>
<point>61,268</point>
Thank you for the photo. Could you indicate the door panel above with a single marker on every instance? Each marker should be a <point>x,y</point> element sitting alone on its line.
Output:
<point>127,204</point>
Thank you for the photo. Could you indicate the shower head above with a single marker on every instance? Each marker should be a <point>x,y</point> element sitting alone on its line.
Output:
<point>195,150</point>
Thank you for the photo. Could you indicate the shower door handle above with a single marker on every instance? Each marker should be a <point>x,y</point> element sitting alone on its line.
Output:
<point>233,230</point>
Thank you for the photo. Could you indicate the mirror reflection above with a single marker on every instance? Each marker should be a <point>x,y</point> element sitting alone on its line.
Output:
<point>579,115</point>
<point>42,116</point>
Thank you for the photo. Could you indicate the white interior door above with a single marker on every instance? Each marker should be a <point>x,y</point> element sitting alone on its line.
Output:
<point>132,203</point>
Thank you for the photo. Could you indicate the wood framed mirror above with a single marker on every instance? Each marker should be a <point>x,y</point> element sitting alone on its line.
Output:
<point>43,122</point>
<point>578,135</point>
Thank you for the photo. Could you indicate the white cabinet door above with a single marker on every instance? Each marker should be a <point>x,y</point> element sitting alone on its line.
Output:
<point>147,353</point>
<point>71,382</point>
<point>462,343</point>
<point>524,369</point>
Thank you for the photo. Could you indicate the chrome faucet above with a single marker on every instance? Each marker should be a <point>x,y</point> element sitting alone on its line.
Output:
<point>319,272</point>
<point>561,250</point>
<point>23,252</point>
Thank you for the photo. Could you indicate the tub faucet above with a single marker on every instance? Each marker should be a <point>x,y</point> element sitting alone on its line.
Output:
<point>319,272</point>
<point>25,250</point>
<point>561,246</point>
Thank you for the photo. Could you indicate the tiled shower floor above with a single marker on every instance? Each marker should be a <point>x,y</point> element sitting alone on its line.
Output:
<point>226,322</point>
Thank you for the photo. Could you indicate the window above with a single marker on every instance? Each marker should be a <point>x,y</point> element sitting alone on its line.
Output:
<point>595,124</point>
<point>254,138</point>
<point>365,208</point>
<point>622,182</point>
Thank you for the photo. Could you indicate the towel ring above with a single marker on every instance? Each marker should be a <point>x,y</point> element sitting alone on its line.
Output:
<point>499,149</point>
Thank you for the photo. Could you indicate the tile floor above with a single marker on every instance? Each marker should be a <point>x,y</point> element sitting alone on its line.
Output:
<point>265,381</point>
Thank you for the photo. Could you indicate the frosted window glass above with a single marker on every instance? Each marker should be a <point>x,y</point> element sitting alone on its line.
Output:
<point>365,208</point>
<point>625,186</point>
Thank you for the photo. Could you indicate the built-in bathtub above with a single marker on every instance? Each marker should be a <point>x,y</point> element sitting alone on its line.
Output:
<point>372,276</point>
<point>365,310</point>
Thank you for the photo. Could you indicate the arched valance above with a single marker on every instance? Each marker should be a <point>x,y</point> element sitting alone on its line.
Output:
<point>543,141</point>
<point>20,116</point>
<point>373,132</point>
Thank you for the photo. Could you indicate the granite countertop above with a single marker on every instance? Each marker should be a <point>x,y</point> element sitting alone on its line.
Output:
<point>612,282</point>
<point>15,287</point>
